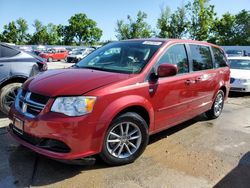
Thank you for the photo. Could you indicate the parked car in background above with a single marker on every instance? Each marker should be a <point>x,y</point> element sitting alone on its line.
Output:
<point>113,99</point>
<point>79,54</point>
<point>54,54</point>
<point>236,53</point>
<point>16,67</point>
<point>240,74</point>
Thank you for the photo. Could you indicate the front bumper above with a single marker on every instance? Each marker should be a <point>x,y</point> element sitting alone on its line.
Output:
<point>77,136</point>
<point>244,87</point>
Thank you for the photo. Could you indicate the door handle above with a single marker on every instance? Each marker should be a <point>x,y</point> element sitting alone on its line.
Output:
<point>1,65</point>
<point>189,82</point>
<point>198,79</point>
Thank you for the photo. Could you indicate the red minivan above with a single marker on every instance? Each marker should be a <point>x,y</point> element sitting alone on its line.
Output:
<point>112,100</point>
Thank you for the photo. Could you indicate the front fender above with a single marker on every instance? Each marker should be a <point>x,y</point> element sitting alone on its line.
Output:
<point>124,102</point>
<point>117,106</point>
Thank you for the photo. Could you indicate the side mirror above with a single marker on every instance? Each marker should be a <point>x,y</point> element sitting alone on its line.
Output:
<point>165,70</point>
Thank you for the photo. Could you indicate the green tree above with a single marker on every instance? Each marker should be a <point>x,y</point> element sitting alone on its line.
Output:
<point>22,28</point>
<point>163,23</point>
<point>53,34</point>
<point>172,25</point>
<point>82,29</point>
<point>201,18</point>
<point>40,35</point>
<point>223,30</point>
<point>242,28</point>
<point>66,37</point>
<point>138,28</point>
<point>10,33</point>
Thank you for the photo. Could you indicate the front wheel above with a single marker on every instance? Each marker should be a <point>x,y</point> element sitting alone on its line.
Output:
<point>125,140</point>
<point>7,96</point>
<point>217,107</point>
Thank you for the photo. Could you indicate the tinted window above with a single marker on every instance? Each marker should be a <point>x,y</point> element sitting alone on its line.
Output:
<point>219,57</point>
<point>202,58</point>
<point>176,55</point>
<point>7,52</point>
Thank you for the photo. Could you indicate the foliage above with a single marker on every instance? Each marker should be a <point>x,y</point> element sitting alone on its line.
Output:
<point>172,25</point>
<point>83,29</point>
<point>232,29</point>
<point>223,31</point>
<point>134,28</point>
<point>22,28</point>
<point>242,28</point>
<point>201,19</point>
<point>40,35</point>
<point>10,33</point>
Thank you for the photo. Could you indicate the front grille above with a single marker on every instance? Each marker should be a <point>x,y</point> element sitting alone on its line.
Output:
<point>30,104</point>
<point>39,98</point>
<point>232,80</point>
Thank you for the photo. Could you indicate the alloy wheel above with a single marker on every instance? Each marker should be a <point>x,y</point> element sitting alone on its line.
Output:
<point>123,140</point>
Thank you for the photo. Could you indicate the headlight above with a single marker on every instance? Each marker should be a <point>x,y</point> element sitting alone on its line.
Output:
<point>73,106</point>
<point>244,81</point>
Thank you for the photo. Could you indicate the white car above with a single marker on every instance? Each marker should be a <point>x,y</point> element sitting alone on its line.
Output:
<point>78,54</point>
<point>240,74</point>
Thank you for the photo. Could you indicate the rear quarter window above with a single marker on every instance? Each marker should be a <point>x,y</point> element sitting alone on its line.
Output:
<point>201,57</point>
<point>7,51</point>
<point>220,59</point>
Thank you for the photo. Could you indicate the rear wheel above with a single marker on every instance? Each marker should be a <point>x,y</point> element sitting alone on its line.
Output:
<point>7,96</point>
<point>126,139</point>
<point>50,59</point>
<point>217,107</point>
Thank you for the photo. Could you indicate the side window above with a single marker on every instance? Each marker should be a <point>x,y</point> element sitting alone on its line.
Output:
<point>219,57</point>
<point>176,55</point>
<point>202,59</point>
<point>7,52</point>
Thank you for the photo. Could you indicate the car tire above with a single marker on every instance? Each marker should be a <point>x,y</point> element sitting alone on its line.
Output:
<point>129,133</point>
<point>217,107</point>
<point>7,96</point>
<point>50,59</point>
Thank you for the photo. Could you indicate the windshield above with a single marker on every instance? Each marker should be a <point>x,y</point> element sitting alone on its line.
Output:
<point>123,57</point>
<point>239,64</point>
<point>76,52</point>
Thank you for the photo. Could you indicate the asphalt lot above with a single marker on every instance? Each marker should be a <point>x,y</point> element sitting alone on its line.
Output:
<point>197,153</point>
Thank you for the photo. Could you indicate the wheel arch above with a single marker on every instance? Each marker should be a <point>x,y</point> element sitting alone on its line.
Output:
<point>15,79</point>
<point>132,103</point>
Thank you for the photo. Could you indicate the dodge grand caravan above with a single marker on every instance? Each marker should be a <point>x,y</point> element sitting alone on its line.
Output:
<point>112,100</point>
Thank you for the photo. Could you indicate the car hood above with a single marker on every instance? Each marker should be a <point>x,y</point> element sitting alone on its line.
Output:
<point>240,73</point>
<point>66,82</point>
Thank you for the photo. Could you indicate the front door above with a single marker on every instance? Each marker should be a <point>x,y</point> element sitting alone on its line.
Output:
<point>172,96</point>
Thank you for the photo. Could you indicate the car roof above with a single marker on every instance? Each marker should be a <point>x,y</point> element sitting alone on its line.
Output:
<point>240,58</point>
<point>167,40</point>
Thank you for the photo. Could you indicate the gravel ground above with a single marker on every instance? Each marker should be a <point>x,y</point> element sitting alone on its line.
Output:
<point>197,153</point>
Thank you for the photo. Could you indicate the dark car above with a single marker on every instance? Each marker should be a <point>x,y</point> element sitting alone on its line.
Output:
<point>16,66</point>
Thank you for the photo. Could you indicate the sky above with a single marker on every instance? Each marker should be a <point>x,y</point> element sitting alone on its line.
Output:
<point>104,12</point>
